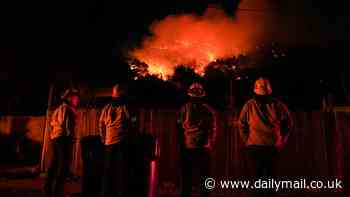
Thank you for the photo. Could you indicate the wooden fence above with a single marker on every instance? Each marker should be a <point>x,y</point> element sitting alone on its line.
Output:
<point>319,145</point>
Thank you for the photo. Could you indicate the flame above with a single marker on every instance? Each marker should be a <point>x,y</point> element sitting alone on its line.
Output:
<point>159,70</point>
<point>194,41</point>
<point>211,57</point>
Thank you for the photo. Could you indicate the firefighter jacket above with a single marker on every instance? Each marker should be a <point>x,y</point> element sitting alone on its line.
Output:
<point>63,122</point>
<point>198,124</point>
<point>265,121</point>
<point>114,123</point>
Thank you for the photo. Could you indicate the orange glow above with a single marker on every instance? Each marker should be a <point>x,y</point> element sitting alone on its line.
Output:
<point>211,57</point>
<point>162,72</point>
<point>194,41</point>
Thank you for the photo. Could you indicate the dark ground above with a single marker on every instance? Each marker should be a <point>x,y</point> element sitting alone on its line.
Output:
<point>31,187</point>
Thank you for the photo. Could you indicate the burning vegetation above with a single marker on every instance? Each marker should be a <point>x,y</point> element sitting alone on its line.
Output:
<point>213,38</point>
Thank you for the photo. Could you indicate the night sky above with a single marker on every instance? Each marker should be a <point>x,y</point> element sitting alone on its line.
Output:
<point>79,33</point>
<point>43,41</point>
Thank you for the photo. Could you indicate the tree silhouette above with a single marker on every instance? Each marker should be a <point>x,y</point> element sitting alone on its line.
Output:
<point>184,76</point>
<point>138,68</point>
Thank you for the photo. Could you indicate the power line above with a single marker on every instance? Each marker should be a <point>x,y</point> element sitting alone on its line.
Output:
<point>253,10</point>
<point>267,11</point>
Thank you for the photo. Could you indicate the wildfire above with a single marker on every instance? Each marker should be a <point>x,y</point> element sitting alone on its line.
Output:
<point>211,57</point>
<point>159,70</point>
<point>193,41</point>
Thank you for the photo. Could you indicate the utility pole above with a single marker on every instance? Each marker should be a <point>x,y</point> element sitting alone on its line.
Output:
<point>231,94</point>
<point>46,129</point>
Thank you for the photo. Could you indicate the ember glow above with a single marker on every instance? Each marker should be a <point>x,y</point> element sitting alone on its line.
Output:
<point>194,41</point>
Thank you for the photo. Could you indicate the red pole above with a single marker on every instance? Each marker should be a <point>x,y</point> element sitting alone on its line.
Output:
<point>154,164</point>
<point>153,173</point>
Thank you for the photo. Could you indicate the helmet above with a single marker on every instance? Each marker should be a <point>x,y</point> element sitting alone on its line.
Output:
<point>262,87</point>
<point>196,90</point>
<point>120,89</point>
<point>70,92</point>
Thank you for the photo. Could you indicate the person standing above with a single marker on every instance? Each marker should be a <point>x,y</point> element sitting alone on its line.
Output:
<point>197,131</point>
<point>264,126</point>
<point>114,125</point>
<point>62,131</point>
